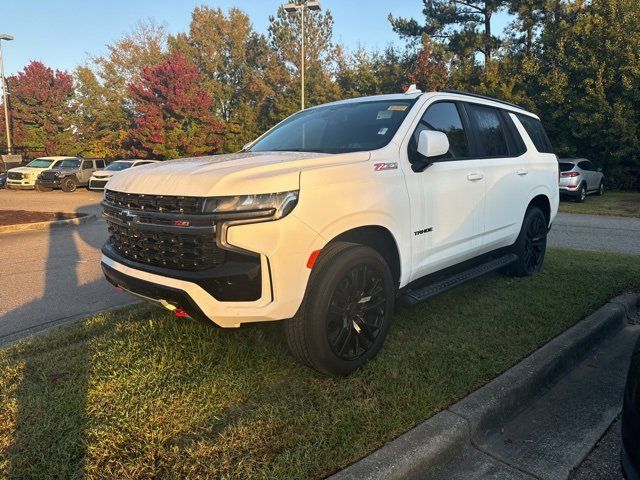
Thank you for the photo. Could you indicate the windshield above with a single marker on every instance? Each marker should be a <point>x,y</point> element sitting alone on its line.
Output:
<point>565,167</point>
<point>39,163</point>
<point>347,127</point>
<point>117,166</point>
<point>70,164</point>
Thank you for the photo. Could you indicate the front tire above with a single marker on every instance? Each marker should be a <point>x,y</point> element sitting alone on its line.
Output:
<point>69,184</point>
<point>345,315</point>
<point>582,193</point>
<point>531,245</point>
<point>600,189</point>
<point>40,188</point>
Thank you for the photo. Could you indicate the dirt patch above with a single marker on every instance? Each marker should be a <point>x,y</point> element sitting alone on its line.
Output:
<point>17,217</point>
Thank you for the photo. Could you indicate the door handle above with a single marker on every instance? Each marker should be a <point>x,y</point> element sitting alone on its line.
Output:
<point>522,172</point>
<point>474,177</point>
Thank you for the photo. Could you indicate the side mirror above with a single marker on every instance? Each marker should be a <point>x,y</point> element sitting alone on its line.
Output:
<point>599,169</point>
<point>432,143</point>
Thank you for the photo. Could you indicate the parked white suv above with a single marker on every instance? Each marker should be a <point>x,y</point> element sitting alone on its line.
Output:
<point>334,214</point>
<point>100,178</point>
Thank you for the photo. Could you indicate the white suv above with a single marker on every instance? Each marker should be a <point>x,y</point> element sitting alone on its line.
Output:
<point>334,214</point>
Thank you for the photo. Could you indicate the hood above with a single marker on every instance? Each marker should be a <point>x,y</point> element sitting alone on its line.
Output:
<point>232,174</point>
<point>26,170</point>
<point>63,170</point>
<point>103,174</point>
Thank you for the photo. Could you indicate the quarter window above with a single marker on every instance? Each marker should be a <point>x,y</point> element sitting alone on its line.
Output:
<point>443,117</point>
<point>491,139</point>
<point>536,132</point>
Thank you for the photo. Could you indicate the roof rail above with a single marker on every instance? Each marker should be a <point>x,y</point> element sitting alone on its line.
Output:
<point>477,95</point>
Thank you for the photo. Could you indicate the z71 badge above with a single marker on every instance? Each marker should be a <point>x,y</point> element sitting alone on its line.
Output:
<point>378,167</point>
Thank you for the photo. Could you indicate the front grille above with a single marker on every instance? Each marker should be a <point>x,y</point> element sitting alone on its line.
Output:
<point>14,176</point>
<point>170,250</point>
<point>47,175</point>
<point>155,203</point>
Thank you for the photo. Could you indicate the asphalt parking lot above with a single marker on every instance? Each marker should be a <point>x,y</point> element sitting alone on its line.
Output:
<point>52,277</point>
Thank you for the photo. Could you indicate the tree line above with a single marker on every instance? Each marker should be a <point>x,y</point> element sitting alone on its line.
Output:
<point>211,89</point>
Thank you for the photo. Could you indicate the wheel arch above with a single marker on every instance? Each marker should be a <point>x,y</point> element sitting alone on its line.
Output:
<point>381,240</point>
<point>542,202</point>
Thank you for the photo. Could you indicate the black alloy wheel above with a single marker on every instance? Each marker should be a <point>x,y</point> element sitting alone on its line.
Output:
<point>356,312</point>
<point>535,243</point>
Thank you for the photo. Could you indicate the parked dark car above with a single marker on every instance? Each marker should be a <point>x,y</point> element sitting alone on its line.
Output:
<point>631,420</point>
<point>3,179</point>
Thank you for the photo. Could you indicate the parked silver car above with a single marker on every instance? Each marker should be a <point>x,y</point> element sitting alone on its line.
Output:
<point>580,177</point>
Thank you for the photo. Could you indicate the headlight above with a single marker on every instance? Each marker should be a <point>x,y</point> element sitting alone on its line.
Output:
<point>275,205</point>
<point>59,174</point>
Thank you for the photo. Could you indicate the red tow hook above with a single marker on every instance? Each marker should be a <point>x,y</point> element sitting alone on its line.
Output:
<point>119,289</point>
<point>180,313</point>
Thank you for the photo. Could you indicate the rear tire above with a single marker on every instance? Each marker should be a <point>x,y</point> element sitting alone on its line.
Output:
<point>346,312</point>
<point>69,184</point>
<point>582,193</point>
<point>531,244</point>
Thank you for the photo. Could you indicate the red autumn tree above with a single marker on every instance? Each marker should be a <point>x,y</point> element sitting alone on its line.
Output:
<point>42,109</point>
<point>174,114</point>
<point>429,72</point>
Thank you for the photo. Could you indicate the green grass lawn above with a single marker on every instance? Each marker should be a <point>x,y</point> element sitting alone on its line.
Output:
<point>624,204</point>
<point>140,394</point>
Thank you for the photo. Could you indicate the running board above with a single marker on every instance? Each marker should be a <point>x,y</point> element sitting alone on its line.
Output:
<point>413,297</point>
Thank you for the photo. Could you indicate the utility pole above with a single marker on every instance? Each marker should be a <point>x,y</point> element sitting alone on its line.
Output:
<point>4,36</point>
<point>292,8</point>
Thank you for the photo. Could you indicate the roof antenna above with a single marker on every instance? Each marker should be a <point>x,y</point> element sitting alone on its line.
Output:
<point>413,89</point>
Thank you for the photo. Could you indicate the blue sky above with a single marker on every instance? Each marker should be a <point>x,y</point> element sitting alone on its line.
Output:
<point>63,33</point>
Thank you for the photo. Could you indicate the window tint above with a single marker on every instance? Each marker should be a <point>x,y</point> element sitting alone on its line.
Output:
<point>87,164</point>
<point>536,132</point>
<point>586,165</point>
<point>565,167</point>
<point>100,163</point>
<point>491,138</point>
<point>337,128</point>
<point>443,117</point>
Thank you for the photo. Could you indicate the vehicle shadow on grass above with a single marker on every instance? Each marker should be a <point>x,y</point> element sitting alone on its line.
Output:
<point>49,411</point>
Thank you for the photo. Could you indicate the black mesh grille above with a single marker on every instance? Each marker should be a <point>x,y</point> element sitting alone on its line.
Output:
<point>48,175</point>
<point>155,203</point>
<point>170,250</point>
<point>14,175</point>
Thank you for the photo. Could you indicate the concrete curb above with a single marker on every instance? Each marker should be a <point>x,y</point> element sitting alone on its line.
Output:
<point>28,227</point>
<point>445,434</point>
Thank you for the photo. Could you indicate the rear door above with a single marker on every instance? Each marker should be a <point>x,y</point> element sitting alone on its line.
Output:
<point>446,198</point>
<point>500,151</point>
<point>86,169</point>
<point>590,174</point>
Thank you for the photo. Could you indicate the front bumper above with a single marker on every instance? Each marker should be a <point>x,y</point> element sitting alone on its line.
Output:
<point>49,183</point>
<point>97,184</point>
<point>24,184</point>
<point>283,248</point>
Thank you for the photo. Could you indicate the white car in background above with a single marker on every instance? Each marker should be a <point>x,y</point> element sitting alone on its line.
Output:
<point>100,178</point>
<point>24,178</point>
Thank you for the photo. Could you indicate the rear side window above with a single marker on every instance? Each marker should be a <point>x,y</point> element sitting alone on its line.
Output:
<point>565,167</point>
<point>444,117</point>
<point>491,137</point>
<point>587,165</point>
<point>536,132</point>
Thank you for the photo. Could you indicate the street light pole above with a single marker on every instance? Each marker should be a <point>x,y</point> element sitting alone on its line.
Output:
<point>4,92</point>
<point>290,8</point>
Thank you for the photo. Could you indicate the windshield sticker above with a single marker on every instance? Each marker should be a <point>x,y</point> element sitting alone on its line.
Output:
<point>384,115</point>
<point>397,108</point>
<point>382,131</point>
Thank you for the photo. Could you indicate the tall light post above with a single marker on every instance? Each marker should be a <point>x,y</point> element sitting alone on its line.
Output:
<point>4,36</point>
<point>292,8</point>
